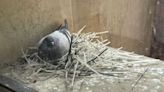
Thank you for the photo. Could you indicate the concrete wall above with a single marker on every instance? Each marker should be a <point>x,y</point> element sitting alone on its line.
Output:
<point>129,21</point>
<point>24,22</point>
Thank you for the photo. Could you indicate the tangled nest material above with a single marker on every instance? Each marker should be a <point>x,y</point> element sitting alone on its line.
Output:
<point>89,55</point>
<point>86,51</point>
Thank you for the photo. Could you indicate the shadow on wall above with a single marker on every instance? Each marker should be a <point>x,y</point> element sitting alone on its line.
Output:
<point>157,48</point>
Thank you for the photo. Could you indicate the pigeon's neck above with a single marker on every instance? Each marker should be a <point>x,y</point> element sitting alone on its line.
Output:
<point>66,33</point>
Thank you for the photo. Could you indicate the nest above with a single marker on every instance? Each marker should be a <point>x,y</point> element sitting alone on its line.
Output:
<point>89,54</point>
<point>86,53</point>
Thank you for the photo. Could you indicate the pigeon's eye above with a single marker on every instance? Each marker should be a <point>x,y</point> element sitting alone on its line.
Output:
<point>52,43</point>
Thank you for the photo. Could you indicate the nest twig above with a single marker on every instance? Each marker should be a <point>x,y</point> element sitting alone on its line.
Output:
<point>140,77</point>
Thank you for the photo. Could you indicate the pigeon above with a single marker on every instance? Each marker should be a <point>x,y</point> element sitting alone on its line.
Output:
<point>55,46</point>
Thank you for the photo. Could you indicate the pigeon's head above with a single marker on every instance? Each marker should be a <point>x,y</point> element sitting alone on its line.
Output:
<point>46,47</point>
<point>55,45</point>
<point>48,42</point>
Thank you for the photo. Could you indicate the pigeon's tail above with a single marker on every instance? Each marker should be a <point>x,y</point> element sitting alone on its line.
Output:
<point>65,24</point>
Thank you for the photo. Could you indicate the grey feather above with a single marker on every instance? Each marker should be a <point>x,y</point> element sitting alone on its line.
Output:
<point>55,45</point>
